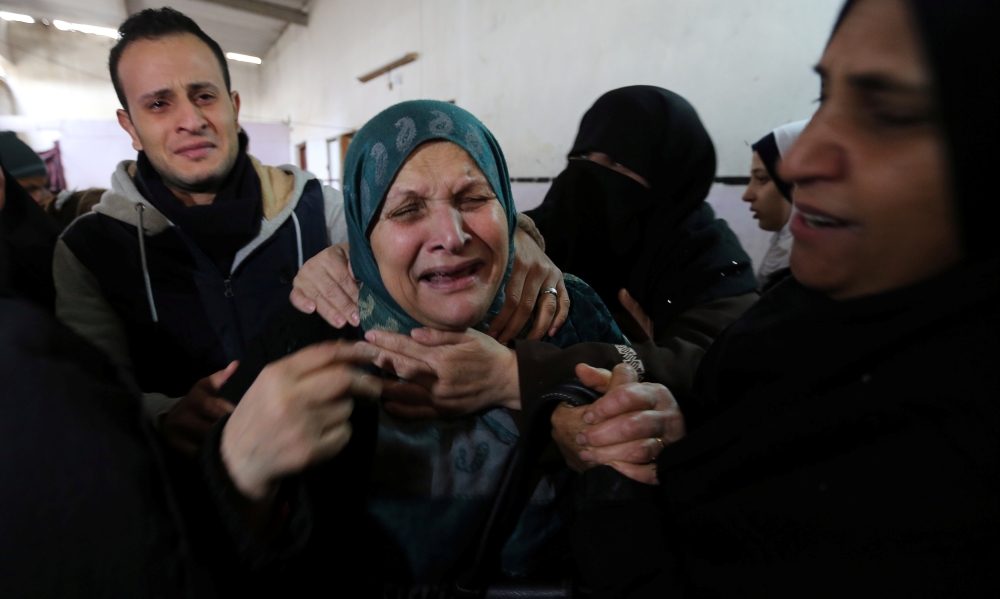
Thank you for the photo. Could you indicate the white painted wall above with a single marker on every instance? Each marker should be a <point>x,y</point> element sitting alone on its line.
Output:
<point>530,68</point>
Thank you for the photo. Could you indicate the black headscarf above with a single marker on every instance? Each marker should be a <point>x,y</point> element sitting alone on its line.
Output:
<point>27,241</point>
<point>221,228</point>
<point>663,244</point>
<point>772,147</point>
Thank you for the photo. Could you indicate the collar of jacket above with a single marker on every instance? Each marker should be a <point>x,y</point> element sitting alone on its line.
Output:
<point>281,189</point>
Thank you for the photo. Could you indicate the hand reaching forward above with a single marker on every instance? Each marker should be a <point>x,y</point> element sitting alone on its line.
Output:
<point>625,429</point>
<point>189,420</point>
<point>294,415</point>
<point>461,373</point>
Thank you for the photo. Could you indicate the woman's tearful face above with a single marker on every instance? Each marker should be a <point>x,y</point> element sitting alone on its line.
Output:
<point>441,238</point>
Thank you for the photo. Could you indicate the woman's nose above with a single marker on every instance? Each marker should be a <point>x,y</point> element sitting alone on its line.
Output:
<point>749,195</point>
<point>448,230</point>
<point>816,155</point>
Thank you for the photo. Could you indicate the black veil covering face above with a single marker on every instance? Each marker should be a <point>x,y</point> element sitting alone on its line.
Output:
<point>27,241</point>
<point>664,243</point>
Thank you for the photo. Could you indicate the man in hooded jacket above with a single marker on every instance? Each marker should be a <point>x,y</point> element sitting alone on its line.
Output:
<point>196,242</point>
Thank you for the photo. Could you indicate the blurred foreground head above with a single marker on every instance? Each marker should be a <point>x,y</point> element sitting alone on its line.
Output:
<point>891,175</point>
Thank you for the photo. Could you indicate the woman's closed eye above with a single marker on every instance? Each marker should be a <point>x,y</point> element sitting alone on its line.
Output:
<point>891,115</point>
<point>474,202</point>
<point>408,211</point>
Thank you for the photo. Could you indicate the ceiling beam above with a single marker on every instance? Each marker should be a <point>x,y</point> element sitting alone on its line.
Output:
<point>275,11</point>
<point>392,65</point>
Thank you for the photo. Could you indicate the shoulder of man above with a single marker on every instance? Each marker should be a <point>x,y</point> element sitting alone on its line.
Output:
<point>286,184</point>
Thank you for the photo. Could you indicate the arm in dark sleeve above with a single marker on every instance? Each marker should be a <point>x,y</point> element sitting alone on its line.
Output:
<point>618,539</point>
<point>542,366</point>
<point>671,361</point>
<point>676,354</point>
<point>285,531</point>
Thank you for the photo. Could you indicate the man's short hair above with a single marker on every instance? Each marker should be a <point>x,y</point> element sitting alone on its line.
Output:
<point>154,24</point>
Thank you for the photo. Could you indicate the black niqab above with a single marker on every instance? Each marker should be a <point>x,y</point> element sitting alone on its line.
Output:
<point>219,229</point>
<point>664,243</point>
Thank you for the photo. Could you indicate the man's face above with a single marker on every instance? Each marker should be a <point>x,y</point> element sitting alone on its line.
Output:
<point>38,188</point>
<point>179,112</point>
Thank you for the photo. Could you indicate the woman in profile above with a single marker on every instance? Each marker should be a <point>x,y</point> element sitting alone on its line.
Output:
<point>844,435</point>
<point>770,199</point>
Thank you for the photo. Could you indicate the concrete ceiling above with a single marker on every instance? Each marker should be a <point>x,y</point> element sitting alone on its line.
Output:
<point>238,25</point>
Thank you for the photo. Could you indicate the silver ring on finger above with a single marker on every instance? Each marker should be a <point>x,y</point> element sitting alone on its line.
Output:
<point>550,290</point>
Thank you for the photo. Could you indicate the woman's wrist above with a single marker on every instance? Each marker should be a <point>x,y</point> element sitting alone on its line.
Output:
<point>510,388</point>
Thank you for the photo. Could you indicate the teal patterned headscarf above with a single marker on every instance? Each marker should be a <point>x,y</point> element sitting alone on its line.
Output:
<point>376,154</point>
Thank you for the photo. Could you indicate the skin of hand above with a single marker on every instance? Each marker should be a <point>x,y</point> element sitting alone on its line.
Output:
<point>186,424</point>
<point>294,415</point>
<point>533,272</point>
<point>641,328</point>
<point>326,284</point>
<point>460,373</point>
<point>621,428</point>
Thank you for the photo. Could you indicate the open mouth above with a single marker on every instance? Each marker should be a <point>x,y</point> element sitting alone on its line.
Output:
<point>823,221</point>
<point>446,277</point>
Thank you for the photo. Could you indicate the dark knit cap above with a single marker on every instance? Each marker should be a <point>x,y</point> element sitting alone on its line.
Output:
<point>19,159</point>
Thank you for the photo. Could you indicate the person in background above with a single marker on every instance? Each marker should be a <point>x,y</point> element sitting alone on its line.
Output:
<point>70,204</point>
<point>633,195</point>
<point>770,199</point>
<point>196,243</point>
<point>843,437</point>
<point>26,166</point>
<point>27,241</point>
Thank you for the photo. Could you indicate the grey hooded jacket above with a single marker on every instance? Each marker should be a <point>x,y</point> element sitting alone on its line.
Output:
<point>158,306</point>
